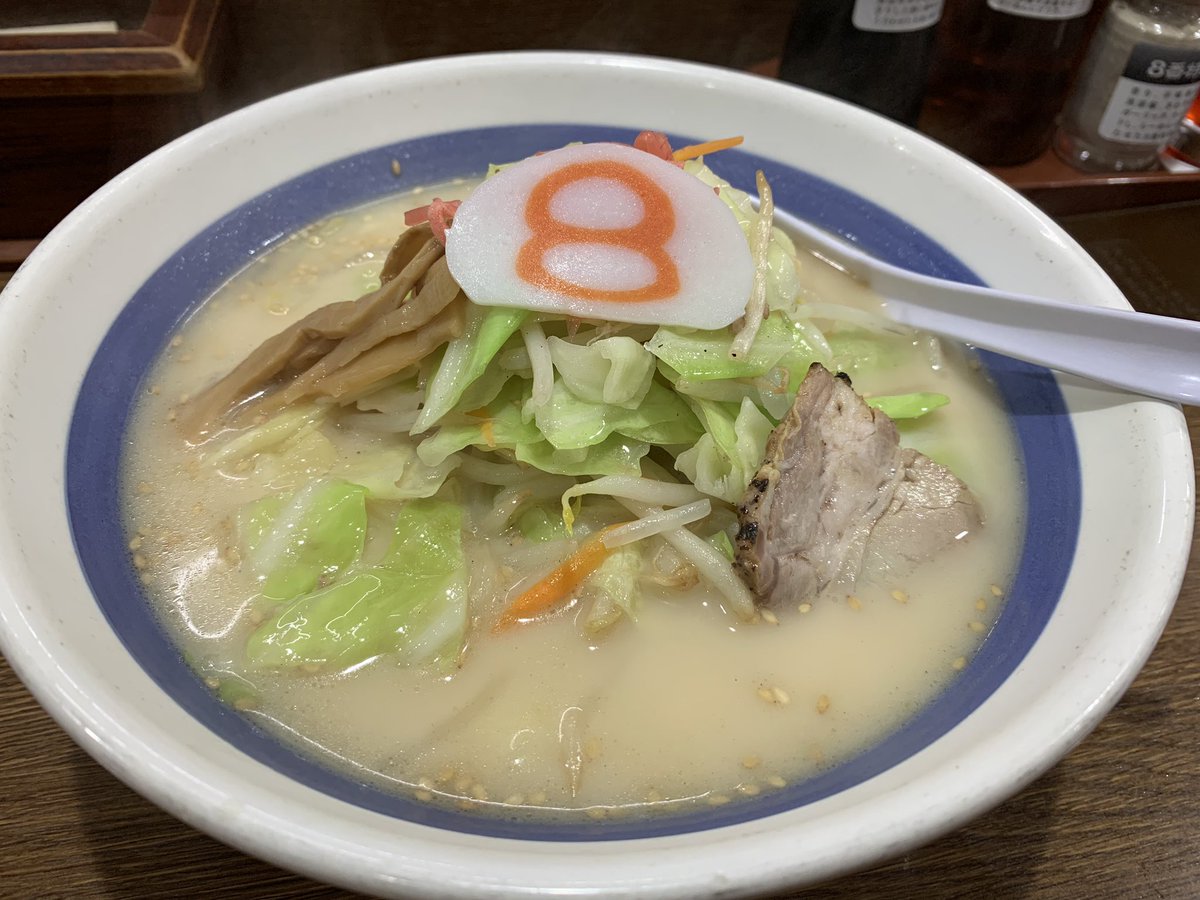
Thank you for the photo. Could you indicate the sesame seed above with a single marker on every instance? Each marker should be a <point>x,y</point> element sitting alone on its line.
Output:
<point>805,607</point>
<point>981,605</point>
<point>751,762</point>
<point>515,800</point>
<point>139,561</point>
<point>749,788</point>
<point>426,782</point>
<point>776,781</point>
<point>423,796</point>
<point>899,596</point>
<point>155,390</point>
<point>396,167</point>
<point>596,812</point>
<point>822,704</point>
<point>213,683</point>
<point>769,617</point>
<point>146,579</point>
<point>135,544</point>
<point>277,309</point>
<point>853,602</point>
<point>172,415</point>
<point>996,592</point>
<point>977,627</point>
<point>781,696</point>
<point>764,693</point>
<point>177,341</point>
<point>959,664</point>
<point>717,799</point>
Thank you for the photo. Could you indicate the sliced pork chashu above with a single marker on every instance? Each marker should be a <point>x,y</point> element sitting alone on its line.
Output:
<point>836,490</point>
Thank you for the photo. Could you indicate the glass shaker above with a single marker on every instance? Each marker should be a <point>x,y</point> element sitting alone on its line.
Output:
<point>1140,75</point>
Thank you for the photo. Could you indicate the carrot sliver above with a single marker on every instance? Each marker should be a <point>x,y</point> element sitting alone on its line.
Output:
<point>694,150</point>
<point>558,585</point>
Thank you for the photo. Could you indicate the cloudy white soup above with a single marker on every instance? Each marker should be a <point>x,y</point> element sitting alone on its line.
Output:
<point>591,496</point>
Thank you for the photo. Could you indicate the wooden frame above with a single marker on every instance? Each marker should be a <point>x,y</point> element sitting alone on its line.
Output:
<point>163,56</point>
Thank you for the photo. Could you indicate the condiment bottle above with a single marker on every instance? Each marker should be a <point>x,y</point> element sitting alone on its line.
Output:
<point>874,53</point>
<point>1001,70</point>
<point>1140,75</point>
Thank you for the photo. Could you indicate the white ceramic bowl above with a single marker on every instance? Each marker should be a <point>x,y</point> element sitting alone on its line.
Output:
<point>1110,475</point>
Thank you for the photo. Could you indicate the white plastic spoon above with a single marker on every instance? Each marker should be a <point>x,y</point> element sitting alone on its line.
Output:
<point>1158,356</point>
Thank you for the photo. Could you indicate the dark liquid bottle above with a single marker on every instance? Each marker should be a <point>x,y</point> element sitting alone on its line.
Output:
<point>874,53</point>
<point>1001,71</point>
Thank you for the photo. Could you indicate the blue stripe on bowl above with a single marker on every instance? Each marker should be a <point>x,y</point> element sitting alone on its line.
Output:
<point>180,285</point>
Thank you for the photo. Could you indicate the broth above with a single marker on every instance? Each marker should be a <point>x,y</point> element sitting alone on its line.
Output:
<point>687,705</point>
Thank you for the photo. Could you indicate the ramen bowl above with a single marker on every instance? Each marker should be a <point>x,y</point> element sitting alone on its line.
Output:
<point>1108,477</point>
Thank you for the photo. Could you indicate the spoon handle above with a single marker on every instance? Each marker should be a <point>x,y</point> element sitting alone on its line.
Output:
<point>1153,355</point>
<point>1157,356</point>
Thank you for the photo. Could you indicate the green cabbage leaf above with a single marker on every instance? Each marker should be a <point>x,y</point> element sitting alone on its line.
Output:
<point>704,355</point>
<point>908,406</point>
<point>412,604</point>
<point>466,358</point>
<point>569,422</point>
<point>293,544</point>
<point>616,371</point>
<point>724,460</point>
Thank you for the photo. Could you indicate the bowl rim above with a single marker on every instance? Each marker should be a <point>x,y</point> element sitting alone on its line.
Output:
<point>103,737</point>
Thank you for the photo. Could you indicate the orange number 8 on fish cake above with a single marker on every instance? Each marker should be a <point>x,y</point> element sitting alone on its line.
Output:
<point>647,238</point>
